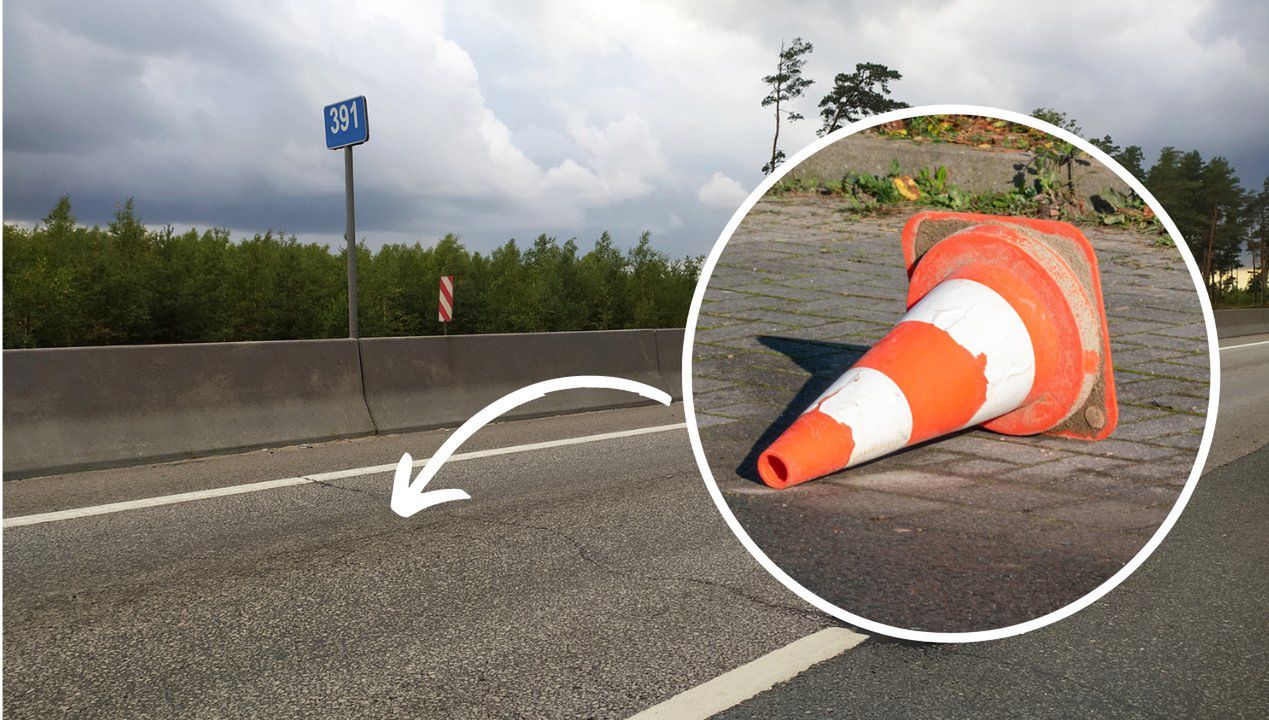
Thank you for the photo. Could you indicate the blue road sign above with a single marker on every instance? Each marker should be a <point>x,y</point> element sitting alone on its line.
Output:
<point>346,123</point>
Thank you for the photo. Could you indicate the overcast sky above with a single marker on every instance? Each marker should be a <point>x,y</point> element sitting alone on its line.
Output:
<point>500,120</point>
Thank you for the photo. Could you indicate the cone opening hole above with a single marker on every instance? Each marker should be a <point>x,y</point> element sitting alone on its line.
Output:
<point>773,470</point>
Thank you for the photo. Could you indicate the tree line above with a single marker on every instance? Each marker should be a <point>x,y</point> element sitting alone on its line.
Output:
<point>66,284</point>
<point>1222,221</point>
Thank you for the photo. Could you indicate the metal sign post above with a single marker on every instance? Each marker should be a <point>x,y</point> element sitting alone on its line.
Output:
<point>347,125</point>
<point>350,237</point>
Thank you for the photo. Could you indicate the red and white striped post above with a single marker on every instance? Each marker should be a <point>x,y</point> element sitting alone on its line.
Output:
<point>445,308</point>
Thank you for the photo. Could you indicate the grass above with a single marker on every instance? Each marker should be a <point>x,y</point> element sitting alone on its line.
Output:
<point>865,194</point>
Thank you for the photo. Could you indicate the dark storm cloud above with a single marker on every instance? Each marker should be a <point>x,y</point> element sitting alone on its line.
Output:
<point>494,121</point>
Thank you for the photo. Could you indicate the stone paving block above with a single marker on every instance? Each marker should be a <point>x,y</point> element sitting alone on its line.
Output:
<point>770,292</point>
<point>1165,341</point>
<point>989,445</point>
<point>1161,429</point>
<point>1120,449</point>
<point>1112,514</point>
<point>1180,403</point>
<point>1172,471</point>
<point>734,411</point>
<point>1125,354</point>
<point>714,322</point>
<point>1186,332</point>
<point>1146,388</point>
<point>744,330</point>
<point>899,480</point>
<point>1194,372</point>
<point>1058,471</point>
<point>853,330</point>
<point>1169,318</point>
<point>1001,496</point>
<point>1129,482</point>
<point>1123,327</point>
<point>835,502</point>
<point>736,302</point>
<point>843,308</point>
<point>770,315</point>
<point>702,384</point>
<point>1134,414</point>
<point>977,467</point>
<point>927,456</point>
<point>704,420</point>
<point>727,395</point>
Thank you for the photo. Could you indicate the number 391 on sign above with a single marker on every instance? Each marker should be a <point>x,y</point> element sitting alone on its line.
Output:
<point>346,123</point>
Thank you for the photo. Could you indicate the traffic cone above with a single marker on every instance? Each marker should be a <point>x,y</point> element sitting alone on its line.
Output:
<point>1005,328</point>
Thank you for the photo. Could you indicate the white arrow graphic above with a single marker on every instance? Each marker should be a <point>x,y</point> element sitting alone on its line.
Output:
<point>409,498</point>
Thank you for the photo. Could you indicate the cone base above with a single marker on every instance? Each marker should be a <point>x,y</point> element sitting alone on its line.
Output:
<point>1087,408</point>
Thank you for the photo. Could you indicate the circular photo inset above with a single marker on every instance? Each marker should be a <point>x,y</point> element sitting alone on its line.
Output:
<point>950,374</point>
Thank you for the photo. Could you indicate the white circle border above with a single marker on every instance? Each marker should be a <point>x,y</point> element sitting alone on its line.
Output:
<point>689,405</point>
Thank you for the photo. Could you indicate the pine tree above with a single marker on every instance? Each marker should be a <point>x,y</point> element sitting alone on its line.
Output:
<point>857,95</point>
<point>786,84</point>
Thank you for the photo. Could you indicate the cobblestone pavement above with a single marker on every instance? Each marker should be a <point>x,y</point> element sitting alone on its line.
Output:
<point>969,532</point>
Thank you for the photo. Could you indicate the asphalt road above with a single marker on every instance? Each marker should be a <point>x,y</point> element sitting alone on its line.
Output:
<point>587,580</point>
<point>1242,424</point>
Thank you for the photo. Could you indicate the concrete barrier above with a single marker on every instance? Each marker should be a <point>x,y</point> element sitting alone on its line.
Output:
<point>1241,322</point>
<point>670,360</point>
<point>68,409</point>
<point>74,408</point>
<point>426,382</point>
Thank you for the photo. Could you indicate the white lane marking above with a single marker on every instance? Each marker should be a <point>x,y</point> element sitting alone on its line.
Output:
<point>984,323</point>
<point>317,477</point>
<point>409,498</point>
<point>736,686</point>
<point>151,502</point>
<point>1235,347</point>
<point>873,407</point>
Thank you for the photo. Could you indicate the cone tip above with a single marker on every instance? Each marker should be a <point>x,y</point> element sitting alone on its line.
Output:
<point>773,470</point>
<point>813,446</point>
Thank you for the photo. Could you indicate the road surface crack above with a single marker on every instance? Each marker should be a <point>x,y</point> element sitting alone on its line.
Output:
<point>584,553</point>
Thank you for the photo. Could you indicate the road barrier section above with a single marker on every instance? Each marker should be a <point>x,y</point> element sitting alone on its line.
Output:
<point>428,382</point>
<point>1241,322</point>
<point>68,409</point>
<point>670,360</point>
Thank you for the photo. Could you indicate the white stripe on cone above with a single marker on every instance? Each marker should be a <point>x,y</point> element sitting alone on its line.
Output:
<point>984,323</point>
<point>874,407</point>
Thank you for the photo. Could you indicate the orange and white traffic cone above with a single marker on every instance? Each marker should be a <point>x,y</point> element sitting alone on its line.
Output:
<point>1005,328</point>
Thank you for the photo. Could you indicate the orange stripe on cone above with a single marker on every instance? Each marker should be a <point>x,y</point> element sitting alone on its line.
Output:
<point>943,383</point>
